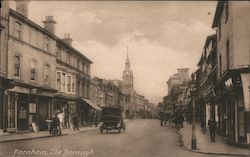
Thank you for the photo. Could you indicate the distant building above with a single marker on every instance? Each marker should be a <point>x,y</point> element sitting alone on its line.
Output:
<point>177,84</point>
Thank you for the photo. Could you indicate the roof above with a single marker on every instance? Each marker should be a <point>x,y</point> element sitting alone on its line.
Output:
<point>218,12</point>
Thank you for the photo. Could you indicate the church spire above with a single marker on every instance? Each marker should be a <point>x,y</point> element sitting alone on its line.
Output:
<point>127,61</point>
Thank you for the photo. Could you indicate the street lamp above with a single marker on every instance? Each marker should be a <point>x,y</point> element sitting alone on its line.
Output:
<point>192,92</point>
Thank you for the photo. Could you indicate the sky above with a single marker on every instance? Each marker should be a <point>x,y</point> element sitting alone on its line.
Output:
<point>161,36</point>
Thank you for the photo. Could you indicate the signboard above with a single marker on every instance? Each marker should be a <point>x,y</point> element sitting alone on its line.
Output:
<point>245,78</point>
<point>34,127</point>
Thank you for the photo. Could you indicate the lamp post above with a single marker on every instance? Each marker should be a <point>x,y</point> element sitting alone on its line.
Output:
<point>192,90</point>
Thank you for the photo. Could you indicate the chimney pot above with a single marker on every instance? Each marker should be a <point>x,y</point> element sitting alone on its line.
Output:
<point>67,39</point>
<point>49,24</point>
<point>22,7</point>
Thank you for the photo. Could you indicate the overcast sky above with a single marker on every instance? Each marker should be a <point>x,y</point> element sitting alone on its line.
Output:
<point>161,36</point>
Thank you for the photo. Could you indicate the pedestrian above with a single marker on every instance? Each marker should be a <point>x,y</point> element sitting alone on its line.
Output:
<point>75,122</point>
<point>161,117</point>
<point>203,124</point>
<point>181,120</point>
<point>60,115</point>
<point>212,128</point>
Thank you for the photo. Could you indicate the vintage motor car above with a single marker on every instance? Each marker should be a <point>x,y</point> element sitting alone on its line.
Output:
<point>112,119</point>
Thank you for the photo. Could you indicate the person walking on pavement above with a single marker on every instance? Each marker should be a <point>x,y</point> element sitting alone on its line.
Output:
<point>203,124</point>
<point>212,128</point>
<point>75,122</point>
<point>161,117</point>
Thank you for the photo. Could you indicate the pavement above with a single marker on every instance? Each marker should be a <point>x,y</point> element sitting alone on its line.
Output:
<point>8,137</point>
<point>205,146</point>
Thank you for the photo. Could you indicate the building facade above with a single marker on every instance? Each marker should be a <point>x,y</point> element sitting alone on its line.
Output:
<point>233,46</point>
<point>4,14</point>
<point>31,72</point>
<point>41,74</point>
<point>207,80</point>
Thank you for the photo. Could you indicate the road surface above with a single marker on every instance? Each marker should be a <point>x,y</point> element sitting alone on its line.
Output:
<point>142,138</point>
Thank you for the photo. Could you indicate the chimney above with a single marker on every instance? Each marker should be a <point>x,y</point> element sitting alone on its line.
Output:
<point>49,24</point>
<point>67,39</point>
<point>22,7</point>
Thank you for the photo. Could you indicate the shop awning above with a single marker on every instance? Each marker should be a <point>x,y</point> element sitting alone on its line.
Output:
<point>91,104</point>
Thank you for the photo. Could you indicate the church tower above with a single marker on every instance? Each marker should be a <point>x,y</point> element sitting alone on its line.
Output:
<point>128,79</point>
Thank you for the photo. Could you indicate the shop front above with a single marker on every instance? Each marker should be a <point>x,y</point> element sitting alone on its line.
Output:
<point>87,111</point>
<point>67,106</point>
<point>233,90</point>
<point>27,105</point>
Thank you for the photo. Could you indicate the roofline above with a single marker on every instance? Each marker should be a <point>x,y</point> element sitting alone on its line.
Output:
<point>73,49</point>
<point>208,39</point>
<point>28,21</point>
<point>218,12</point>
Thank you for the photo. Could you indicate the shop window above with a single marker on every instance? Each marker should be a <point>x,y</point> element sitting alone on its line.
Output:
<point>32,108</point>
<point>17,66</point>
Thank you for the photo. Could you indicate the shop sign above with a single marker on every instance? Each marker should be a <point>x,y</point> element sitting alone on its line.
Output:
<point>20,90</point>
<point>33,91</point>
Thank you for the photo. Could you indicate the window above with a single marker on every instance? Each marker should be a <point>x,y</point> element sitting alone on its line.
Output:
<point>33,70</point>
<point>73,84</point>
<point>220,63</point>
<point>69,84</point>
<point>18,30</point>
<point>63,82</point>
<point>46,74</point>
<point>88,69</point>
<point>228,54</point>
<point>78,64</point>
<point>67,57</point>
<point>83,67</point>
<point>17,66</point>
<point>58,81</point>
<point>58,52</point>
<point>32,108</point>
<point>226,11</point>
<point>219,29</point>
<point>46,44</point>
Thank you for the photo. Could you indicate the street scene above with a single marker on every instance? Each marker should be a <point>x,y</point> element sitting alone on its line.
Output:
<point>124,78</point>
